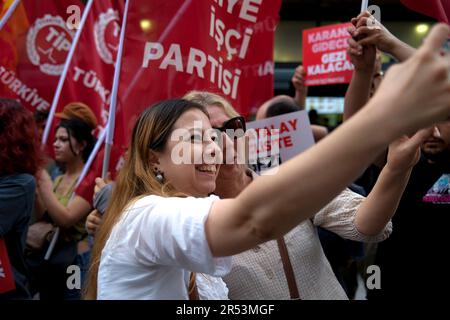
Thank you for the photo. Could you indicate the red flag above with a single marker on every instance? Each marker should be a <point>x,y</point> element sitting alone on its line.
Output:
<point>7,282</point>
<point>91,71</point>
<point>173,47</point>
<point>33,49</point>
<point>438,9</point>
<point>185,45</point>
<point>91,74</point>
<point>87,185</point>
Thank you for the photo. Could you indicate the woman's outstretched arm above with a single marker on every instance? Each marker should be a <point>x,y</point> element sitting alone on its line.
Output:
<point>272,205</point>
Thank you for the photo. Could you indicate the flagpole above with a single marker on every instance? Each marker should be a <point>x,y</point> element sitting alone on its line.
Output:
<point>64,72</point>
<point>92,156</point>
<point>364,5</point>
<point>115,89</point>
<point>9,13</point>
<point>55,103</point>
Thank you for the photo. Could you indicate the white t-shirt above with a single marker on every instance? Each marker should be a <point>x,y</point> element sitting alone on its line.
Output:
<point>154,247</point>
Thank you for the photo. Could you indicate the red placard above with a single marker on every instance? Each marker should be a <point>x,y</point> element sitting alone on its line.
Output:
<point>325,55</point>
<point>7,282</point>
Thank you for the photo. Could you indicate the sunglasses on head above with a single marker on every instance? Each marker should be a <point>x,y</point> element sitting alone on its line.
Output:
<point>236,124</point>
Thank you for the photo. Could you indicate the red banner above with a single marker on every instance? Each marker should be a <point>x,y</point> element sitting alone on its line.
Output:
<point>325,55</point>
<point>7,282</point>
<point>91,71</point>
<point>91,74</point>
<point>173,47</point>
<point>33,49</point>
<point>438,9</point>
<point>178,46</point>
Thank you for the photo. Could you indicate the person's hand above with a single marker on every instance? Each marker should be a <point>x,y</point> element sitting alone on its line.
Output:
<point>298,79</point>
<point>416,94</point>
<point>44,182</point>
<point>371,32</point>
<point>301,89</point>
<point>404,153</point>
<point>100,183</point>
<point>93,221</point>
<point>362,57</point>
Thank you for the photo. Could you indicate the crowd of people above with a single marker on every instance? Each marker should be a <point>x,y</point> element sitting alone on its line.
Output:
<point>209,229</point>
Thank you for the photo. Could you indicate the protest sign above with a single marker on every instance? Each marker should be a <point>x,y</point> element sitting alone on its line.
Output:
<point>325,55</point>
<point>275,140</point>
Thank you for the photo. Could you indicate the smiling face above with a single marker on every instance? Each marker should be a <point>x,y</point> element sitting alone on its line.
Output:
<point>192,141</point>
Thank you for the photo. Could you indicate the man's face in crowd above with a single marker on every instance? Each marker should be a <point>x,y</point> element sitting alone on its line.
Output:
<point>437,145</point>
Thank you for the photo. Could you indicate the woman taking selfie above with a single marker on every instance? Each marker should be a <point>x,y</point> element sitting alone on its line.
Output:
<point>161,227</point>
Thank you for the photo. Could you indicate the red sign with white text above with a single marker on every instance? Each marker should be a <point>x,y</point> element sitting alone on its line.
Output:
<point>325,56</point>
<point>34,44</point>
<point>225,47</point>
<point>173,47</point>
<point>91,71</point>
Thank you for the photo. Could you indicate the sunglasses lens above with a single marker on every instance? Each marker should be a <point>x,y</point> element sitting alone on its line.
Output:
<point>235,126</point>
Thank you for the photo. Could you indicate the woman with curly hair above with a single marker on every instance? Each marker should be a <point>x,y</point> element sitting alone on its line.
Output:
<point>19,161</point>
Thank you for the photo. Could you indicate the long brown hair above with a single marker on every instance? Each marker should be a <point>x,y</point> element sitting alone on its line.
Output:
<point>136,179</point>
